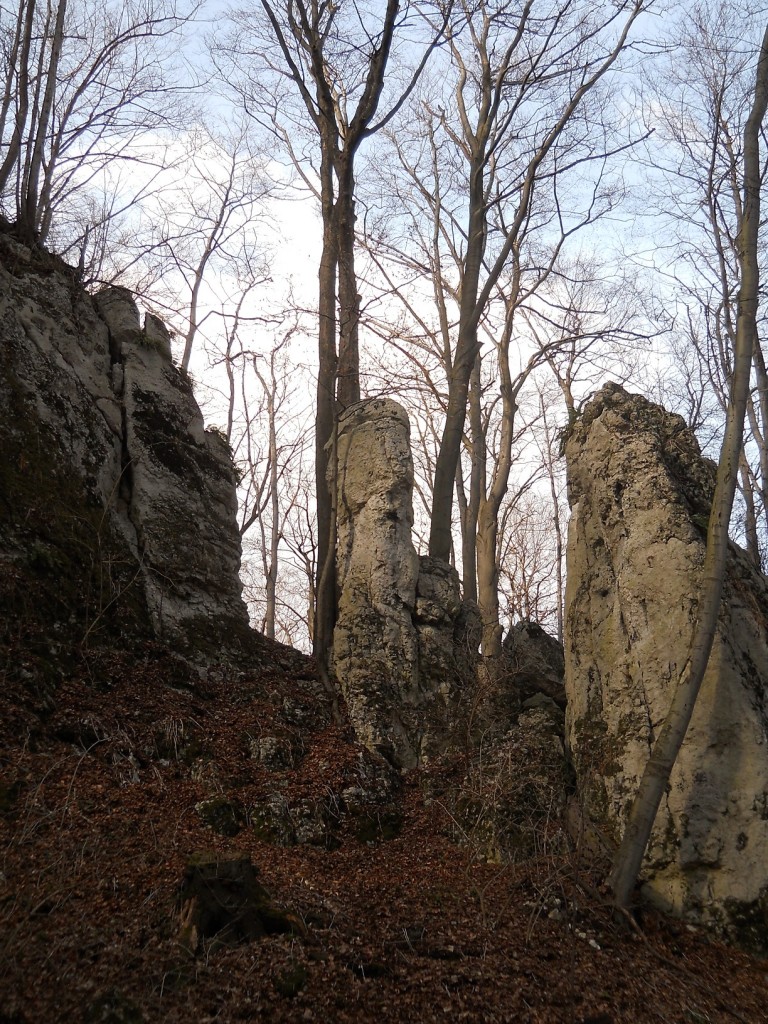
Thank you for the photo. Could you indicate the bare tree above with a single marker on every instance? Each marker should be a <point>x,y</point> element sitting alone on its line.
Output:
<point>702,97</point>
<point>84,83</point>
<point>268,431</point>
<point>334,57</point>
<point>517,97</point>
<point>204,239</point>
<point>483,206</point>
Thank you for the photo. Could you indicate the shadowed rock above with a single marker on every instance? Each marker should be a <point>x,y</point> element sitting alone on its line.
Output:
<point>534,662</point>
<point>98,425</point>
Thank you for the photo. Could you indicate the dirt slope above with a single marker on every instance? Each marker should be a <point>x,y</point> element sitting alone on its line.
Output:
<point>137,761</point>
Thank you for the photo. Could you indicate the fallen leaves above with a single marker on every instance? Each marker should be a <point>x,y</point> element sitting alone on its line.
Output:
<point>98,821</point>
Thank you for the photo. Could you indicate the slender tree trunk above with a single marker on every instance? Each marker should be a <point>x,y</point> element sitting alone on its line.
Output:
<point>348,370</point>
<point>325,598</point>
<point>476,486</point>
<point>22,108</point>
<point>488,578</point>
<point>467,555</point>
<point>747,489</point>
<point>274,532</point>
<point>459,377</point>
<point>29,203</point>
<point>557,522</point>
<point>760,435</point>
<point>659,767</point>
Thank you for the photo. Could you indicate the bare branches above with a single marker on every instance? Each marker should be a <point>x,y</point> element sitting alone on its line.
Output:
<point>84,83</point>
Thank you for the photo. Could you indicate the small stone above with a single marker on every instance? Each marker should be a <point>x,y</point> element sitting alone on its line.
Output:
<point>222,815</point>
<point>273,752</point>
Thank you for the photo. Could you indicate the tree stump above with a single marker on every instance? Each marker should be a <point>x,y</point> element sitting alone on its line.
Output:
<point>222,898</point>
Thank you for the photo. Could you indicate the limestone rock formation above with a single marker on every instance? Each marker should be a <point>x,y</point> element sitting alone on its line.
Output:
<point>182,499</point>
<point>449,631</point>
<point>640,494</point>
<point>111,484</point>
<point>400,644</point>
<point>533,662</point>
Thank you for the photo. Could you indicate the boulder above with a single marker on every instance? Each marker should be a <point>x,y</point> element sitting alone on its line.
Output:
<point>640,496</point>
<point>449,631</point>
<point>533,662</point>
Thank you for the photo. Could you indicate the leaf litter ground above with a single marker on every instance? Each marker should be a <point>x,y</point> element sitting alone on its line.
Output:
<point>100,790</point>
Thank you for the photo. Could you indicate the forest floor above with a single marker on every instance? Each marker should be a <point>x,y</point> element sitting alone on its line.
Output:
<point>101,785</point>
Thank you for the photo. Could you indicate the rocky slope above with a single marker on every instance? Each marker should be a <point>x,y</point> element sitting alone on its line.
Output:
<point>187,832</point>
<point>382,902</point>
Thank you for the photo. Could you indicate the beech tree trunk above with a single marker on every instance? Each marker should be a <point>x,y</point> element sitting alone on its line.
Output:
<point>325,419</point>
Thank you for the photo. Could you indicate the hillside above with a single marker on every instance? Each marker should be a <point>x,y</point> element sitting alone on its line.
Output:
<point>191,831</point>
<point>392,912</point>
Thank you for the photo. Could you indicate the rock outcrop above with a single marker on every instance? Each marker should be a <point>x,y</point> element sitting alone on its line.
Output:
<point>402,648</point>
<point>111,485</point>
<point>640,496</point>
<point>533,662</point>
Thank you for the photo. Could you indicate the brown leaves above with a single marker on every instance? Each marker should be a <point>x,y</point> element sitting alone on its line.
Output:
<point>98,825</point>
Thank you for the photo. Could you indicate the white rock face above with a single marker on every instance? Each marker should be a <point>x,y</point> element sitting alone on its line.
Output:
<point>375,647</point>
<point>640,495</point>
<point>106,431</point>
<point>179,481</point>
<point>399,634</point>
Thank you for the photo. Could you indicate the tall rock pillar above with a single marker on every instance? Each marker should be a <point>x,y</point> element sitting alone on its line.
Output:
<point>640,496</point>
<point>375,647</point>
<point>400,647</point>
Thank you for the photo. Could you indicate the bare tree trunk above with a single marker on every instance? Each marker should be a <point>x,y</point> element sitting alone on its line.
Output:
<point>461,370</point>
<point>29,206</point>
<point>476,485</point>
<point>549,462</point>
<point>325,419</point>
<point>467,548</point>
<point>25,28</point>
<point>488,578</point>
<point>323,92</point>
<point>747,488</point>
<point>274,499</point>
<point>659,767</point>
<point>760,434</point>
<point>348,369</point>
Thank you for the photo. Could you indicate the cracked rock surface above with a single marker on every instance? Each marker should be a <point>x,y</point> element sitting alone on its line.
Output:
<point>110,480</point>
<point>640,495</point>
